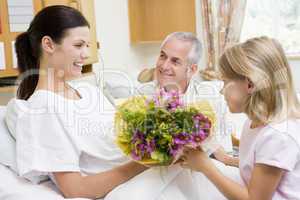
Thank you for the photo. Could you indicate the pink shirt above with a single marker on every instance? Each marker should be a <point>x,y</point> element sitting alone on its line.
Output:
<point>275,145</point>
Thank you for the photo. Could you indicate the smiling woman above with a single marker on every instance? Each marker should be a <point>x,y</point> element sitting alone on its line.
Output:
<point>51,52</point>
<point>56,42</point>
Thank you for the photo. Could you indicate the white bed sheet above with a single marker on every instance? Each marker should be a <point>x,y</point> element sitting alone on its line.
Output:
<point>13,187</point>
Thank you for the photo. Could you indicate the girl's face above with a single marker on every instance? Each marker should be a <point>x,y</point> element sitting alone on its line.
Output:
<point>236,93</point>
<point>68,56</point>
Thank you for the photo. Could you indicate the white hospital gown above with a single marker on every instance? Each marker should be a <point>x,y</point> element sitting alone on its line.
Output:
<point>56,134</point>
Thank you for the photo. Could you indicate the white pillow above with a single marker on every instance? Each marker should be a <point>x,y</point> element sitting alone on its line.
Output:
<point>7,143</point>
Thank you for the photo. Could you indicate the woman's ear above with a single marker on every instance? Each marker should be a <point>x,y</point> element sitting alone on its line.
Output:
<point>48,44</point>
<point>250,86</point>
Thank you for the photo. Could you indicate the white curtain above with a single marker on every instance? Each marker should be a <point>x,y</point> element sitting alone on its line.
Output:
<point>222,23</point>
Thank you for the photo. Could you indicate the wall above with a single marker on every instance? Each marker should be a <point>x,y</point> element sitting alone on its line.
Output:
<point>113,34</point>
<point>115,48</point>
<point>295,65</point>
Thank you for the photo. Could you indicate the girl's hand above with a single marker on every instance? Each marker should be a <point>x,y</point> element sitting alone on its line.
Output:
<point>196,159</point>
<point>221,155</point>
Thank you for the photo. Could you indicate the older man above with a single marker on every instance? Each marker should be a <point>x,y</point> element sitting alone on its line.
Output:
<point>176,66</point>
<point>178,60</point>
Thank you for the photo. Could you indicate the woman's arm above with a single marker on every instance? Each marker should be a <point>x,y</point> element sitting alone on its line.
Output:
<point>73,184</point>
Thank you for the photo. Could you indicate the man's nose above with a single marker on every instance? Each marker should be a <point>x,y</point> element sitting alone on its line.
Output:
<point>166,65</point>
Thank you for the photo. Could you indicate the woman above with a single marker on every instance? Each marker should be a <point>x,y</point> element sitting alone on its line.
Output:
<point>65,134</point>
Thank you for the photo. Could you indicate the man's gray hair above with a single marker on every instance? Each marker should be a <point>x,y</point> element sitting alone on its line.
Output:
<point>196,49</point>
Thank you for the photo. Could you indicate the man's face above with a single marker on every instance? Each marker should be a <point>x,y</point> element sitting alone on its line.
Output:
<point>172,66</point>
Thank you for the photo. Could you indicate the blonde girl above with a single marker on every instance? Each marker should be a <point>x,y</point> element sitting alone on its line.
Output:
<point>258,82</point>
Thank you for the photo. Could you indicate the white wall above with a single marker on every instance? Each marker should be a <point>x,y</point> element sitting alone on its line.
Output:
<point>116,50</point>
<point>113,34</point>
<point>295,65</point>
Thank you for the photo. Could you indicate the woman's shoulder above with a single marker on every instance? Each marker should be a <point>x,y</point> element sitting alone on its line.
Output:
<point>14,109</point>
<point>40,101</point>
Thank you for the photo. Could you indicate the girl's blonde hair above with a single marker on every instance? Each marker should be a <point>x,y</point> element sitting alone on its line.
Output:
<point>263,62</point>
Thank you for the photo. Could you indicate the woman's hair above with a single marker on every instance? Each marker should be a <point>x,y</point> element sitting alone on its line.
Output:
<point>262,61</point>
<point>52,21</point>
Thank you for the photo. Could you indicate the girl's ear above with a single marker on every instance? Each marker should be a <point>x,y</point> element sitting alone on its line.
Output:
<point>48,44</point>
<point>250,86</point>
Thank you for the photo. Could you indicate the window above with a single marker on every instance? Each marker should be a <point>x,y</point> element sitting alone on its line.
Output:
<point>274,18</point>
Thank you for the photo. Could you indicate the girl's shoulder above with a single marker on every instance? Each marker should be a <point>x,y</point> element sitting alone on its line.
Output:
<point>287,130</point>
<point>278,145</point>
<point>289,127</point>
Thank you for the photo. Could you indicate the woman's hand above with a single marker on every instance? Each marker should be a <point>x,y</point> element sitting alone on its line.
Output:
<point>197,160</point>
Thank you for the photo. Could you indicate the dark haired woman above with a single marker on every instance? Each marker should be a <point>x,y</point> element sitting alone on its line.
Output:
<point>51,52</point>
<point>65,133</point>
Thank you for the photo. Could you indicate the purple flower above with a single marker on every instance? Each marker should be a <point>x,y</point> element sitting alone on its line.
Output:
<point>182,138</point>
<point>138,141</point>
<point>199,117</point>
<point>175,149</point>
<point>156,101</point>
<point>168,99</point>
<point>198,137</point>
<point>173,105</point>
<point>135,155</point>
<point>201,122</point>
<point>138,136</point>
<point>151,146</point>
<point>141,148</point>
<point>207,125</point>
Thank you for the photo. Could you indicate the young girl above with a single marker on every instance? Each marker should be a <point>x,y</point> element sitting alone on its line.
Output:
<point>258,82</point>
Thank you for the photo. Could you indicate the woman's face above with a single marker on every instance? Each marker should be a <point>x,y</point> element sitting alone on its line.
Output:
<point>68,56</point>
<point>235,93</point>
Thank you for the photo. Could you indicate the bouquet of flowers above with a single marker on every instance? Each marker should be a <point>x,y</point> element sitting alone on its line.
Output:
<point>155,130</point>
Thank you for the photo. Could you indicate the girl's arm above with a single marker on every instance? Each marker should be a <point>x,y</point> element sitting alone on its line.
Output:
<point>221,155</point>
<point>74,185</point>
<point>263,183</point>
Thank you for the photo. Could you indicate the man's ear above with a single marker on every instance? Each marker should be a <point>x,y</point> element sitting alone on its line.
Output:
<point>193,69</point>
<point>48,44</point>
<point>250,86</point>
